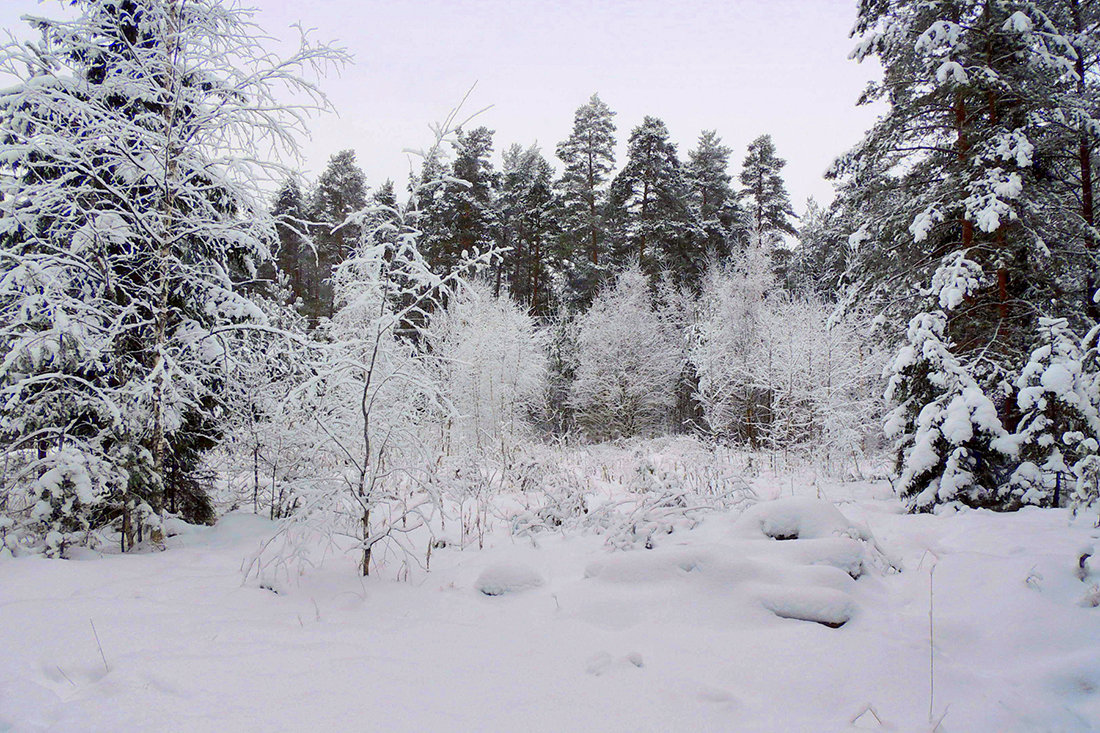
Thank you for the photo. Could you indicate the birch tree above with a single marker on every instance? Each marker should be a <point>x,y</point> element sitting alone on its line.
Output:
<point>130,216</point>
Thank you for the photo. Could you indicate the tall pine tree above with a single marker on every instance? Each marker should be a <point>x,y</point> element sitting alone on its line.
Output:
<point>528,226</point>
<point>712,197</point>
<point>958,204</point>
<point>341,191</point>
<point>588,155</point>
<point>649,200</point>
<point>766,204</point>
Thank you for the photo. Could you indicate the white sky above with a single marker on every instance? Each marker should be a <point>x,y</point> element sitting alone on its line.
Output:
<point>742,67</point>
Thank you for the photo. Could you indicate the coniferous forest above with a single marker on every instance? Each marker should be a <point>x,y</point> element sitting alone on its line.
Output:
<point>605,401</point>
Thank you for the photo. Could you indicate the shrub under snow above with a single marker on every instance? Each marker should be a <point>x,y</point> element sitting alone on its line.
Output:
<point>628,363</point>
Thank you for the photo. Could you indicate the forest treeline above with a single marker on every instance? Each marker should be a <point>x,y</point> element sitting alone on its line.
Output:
<point>351,352</point>
<point>560,235</point>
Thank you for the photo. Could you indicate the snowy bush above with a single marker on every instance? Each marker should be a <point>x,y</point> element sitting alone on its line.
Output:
<point>728,345</point>
<point>490,361</point>
<point>782,372</point>
<point>628,361</point>
<point>635,499</point>
<point>271,448</point>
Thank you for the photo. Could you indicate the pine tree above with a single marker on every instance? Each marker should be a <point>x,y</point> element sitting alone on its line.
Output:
<point>461,216</point>
<point>654,225</point>
<point>824,253</point>
<point>127,224</point>
<point>712,198</point>
<point>296,255</point>
<point>528,213</point>
<point>766,204</point>
<point>341,190</point>
<point>954,190</point>
<point>589,157</point>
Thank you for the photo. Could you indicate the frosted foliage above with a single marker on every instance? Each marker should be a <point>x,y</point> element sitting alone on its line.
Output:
<point>784,371</point>
<point>923,223</point>
<point>729,335</point>
<point>375,398</point>
<point>133,146</point>
<point>491,363</point>
<point>955,279</point>
<point>1014,146</point>
<point>990,200</point>
<point>951,70</point>
<point>629,359</point>
<point>941,35</point>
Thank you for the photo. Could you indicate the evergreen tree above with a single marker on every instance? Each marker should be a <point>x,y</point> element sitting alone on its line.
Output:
<point>764,196</point>
<point>712,198</point>
<point>461,215</point>
<point>589,157</point>
<point>1060,424</point>
<point>126,227</point>
<point>341,191</point>
<point>528,225</point>
<point>951,445</point>
<point>296,256</point>
<point>955,192</point>
<point>654,225</point>
<point>824,253</point>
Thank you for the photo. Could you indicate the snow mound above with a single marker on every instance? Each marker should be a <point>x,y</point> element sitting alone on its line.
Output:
<point>501,578</point>
<point>825,606</point>
<point>843,553</point>
<point>651,567</point>
<point>795,518</point>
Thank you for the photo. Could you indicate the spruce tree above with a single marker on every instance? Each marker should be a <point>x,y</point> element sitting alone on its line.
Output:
<point>1059,400</point>
<point>766,204</point>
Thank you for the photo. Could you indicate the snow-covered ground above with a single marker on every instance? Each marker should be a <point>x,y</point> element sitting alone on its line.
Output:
<point>707,631</point>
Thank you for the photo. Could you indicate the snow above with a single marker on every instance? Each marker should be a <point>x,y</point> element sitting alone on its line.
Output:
<point>496,580</point>
<point>1057,379</point>
<point>795,518</point>
<point>1018,22</point>
<point>821,605</point>
<point>720,627</point>
<point>923,223</point>
<point>951,70</point>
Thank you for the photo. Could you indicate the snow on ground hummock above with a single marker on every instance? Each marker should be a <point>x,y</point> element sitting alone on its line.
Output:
<point>501,578</point>
<point>720,628</point>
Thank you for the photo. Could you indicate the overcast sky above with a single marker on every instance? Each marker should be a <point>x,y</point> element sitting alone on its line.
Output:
<point>742,67</point>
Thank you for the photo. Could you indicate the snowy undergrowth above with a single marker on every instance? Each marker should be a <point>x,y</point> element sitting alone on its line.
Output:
<point>792,612</point>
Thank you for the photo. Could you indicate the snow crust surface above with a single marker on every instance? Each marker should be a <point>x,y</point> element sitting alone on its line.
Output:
<point>718,628</point>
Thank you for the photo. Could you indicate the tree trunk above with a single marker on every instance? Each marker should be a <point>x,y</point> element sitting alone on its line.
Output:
<point>256,479</point>
<point>163,256</point>
<point>365,568</point>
